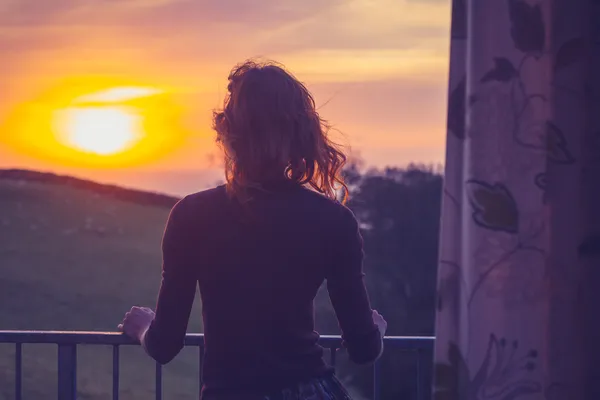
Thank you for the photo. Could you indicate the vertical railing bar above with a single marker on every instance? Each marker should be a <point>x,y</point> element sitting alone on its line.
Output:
<point>376,384</point>
<point>419,382</point>
<point>158,383</point>
<point>18,371</point>
<point>332,354</point>
<point>200,368</point>
<point>67,371</point>
<point>116,372</point>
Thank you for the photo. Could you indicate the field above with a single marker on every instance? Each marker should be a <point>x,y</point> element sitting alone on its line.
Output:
<point>76,256</point>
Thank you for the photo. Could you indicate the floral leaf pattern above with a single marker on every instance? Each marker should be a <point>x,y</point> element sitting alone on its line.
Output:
<point>497,378</point>
<point>541,181</point>
<point>503,71</point>
<point>493,206</point>
<point>527,26</point>
<point>556,145</point>
<point>450,378</point>
<point>451,285</point>
<point>456,109</point>
<point>570,52</point>
<point>472,99</point>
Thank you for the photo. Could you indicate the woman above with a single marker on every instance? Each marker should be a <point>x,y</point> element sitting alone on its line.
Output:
<point>259,248</point>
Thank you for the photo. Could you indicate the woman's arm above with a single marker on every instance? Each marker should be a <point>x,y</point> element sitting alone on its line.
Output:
<point>165,336</point>
<point>348,294</point>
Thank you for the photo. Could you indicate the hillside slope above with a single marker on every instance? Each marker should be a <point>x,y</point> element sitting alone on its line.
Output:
<point>76,255</point>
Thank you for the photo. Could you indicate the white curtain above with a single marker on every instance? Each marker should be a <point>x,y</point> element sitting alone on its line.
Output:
<point>519,274</point>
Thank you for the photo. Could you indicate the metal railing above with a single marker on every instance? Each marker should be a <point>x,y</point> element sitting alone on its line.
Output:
<point>67,343</point>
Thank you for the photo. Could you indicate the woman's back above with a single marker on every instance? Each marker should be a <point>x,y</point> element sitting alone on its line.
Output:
<point>259,268</point>
<point>260,247</point>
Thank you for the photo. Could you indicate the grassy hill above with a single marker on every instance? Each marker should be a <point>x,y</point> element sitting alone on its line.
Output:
<point>76,255</point>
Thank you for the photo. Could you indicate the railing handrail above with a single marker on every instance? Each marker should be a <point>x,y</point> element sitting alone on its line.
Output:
<point>191,339</point>
<point>67,342</point>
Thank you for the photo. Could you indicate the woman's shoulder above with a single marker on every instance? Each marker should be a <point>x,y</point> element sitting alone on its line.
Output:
<point>201,200</point>
<point>328,206</point>
<point>208,195</point>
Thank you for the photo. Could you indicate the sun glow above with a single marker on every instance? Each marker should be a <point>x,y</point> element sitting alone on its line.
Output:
<point>99,124</point>
<point>99,130</point>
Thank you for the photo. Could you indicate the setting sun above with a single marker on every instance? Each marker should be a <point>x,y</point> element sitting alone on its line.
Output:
<point>99,130</point>
<point>95,123</point>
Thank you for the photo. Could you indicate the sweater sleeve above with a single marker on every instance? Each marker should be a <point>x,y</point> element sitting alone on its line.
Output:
<point>166,335</point>
<point>348,294</point>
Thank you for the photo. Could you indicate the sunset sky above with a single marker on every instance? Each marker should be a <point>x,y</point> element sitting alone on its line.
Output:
<point>153,70</point>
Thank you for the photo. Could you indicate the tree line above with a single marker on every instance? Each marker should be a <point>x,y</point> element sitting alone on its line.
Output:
<point>399,212</point>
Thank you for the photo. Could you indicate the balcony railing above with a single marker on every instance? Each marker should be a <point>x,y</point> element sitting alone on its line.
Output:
<point>67,343</point>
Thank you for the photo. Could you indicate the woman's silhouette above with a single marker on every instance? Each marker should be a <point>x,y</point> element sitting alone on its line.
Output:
<point>259,247</point>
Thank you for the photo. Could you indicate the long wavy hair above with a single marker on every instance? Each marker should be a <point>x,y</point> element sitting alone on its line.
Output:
<point>270,131</point>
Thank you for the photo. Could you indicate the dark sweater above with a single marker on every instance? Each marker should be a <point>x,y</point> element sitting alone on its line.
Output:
<point>259,268</point>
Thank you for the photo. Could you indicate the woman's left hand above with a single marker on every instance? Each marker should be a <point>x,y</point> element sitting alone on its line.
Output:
<point>136,322</point>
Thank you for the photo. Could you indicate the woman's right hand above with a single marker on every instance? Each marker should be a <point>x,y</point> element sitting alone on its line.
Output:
<point>380,322</point>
